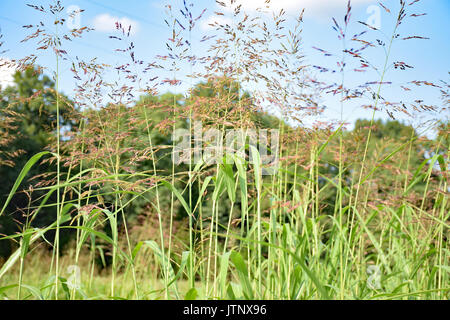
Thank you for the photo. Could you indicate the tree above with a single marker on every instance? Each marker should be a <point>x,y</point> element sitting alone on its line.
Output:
<point>27,119</point>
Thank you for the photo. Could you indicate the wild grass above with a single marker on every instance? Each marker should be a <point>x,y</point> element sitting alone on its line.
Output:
<point>346,214</point>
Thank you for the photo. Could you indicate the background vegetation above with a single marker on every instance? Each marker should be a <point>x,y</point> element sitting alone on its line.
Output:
<point>93,207</point>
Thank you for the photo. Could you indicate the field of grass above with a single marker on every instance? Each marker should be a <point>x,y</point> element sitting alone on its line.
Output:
<point>335,214</point>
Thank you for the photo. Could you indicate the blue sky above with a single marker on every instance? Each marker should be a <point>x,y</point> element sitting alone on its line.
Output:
<point>430,58</point>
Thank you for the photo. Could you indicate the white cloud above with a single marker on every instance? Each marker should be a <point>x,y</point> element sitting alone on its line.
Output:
<point>206,23</point>
<point>293,6</point>
<point>7,71</point>
<point>317,8</point>
<point>107,23</point>
<point>160,5</point>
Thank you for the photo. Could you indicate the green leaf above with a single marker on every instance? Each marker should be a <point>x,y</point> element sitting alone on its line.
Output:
<point>243,275</point>
<point>257,164</point>
<point>229,181</point>
<point>22,175</point>
<point>38,233</point>
<point>179,196</point>
<point>191,294</point>
<point>136,250</point>
<point>224,262</point>
<point>184,260</point>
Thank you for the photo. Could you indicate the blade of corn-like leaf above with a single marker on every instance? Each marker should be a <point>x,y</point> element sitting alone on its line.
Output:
<point>5,288</point>
<point>442,163</point>
<point>25,244</point>
<point>21,176</point>
<point>179,197</point>
<point>373,240</point>
<point>37,234</point>
<point>165,264</point>
<point>243,275</point>
<point>219,185</point>
<point>202,191</point>
<point>229,181</point>
<point>160,255</point>
<point>322,147</point>
<point>224,261</point>
<point>92,218</point>
<point>257,163</point>
<point>230,292</point>
<point>102,236</point>
<point>184,260</point>
<point>136,250</point>
<point>34,291</point>
<point>242,174</point>
<point>191,294</point>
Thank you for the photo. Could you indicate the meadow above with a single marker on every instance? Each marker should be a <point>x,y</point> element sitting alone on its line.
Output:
<point>125,191</point>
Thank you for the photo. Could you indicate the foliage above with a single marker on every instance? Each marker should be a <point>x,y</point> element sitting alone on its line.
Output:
<point>347,214</point>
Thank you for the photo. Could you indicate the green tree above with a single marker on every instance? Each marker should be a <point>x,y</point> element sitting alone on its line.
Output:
<point>31,129</point>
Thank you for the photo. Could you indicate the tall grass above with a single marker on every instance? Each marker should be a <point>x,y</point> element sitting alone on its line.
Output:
<point>322,226</point>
